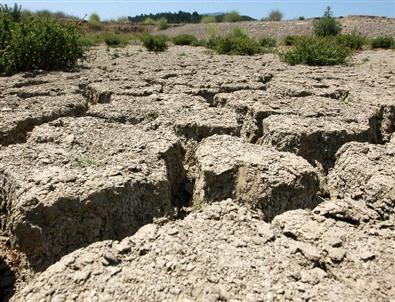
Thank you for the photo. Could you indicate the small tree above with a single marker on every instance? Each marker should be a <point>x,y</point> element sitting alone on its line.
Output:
<point>162,23</point>
<point>232,17</point>
<point>327,25</point>
<point>275,15</point>
<point>94,22</point>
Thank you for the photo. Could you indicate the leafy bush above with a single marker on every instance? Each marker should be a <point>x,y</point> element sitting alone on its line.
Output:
<point>149,21</point>
<point>208,19</point>
<point>318,51</point>
<point>39,43</point>
<point>238,42</point>
<point>353,41</point>
<point>12,12</point>
<point>162,23</point>
<point>267,42</point>
<point>154,43</point>
<point>383,42</point>
<point>185,40</point>
<point>301,18</point>
<point>327,25</point>
<point>275,15</point>
<point>290,40</point>
<point>231,17</point>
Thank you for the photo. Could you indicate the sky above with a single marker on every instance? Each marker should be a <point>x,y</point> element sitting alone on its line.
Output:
<point>254,8</point>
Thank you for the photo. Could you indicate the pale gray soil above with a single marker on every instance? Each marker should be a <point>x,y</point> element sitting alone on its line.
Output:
<point>367,26</point>
<point>188,176</point>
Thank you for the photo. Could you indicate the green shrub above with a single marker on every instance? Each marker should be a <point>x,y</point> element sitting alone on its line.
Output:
<point>40,43</point>
<point>231,17</point>
<point>318,51</point>
<point>301,18</point>
<point>149,21</point>
<point>113,41</point>
<point>15,12</point>
<point>162,23</point>
<point>353,41</point>
<point>267,42</point>
<point>154,43</point>
<point>327,25</point>
<point>290,40</point>
<point>238,42</point>
<point>275,15</point>
<point>185,40</point>
<point>208,19</point>
<point>383,42</point>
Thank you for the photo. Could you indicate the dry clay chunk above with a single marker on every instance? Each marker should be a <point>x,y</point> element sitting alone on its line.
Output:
<point>365,171</point>
<point>225,252</point>
<point>19,116</point>
<point>76,181</point>
<point>260,176</point>
<point>315,139</point>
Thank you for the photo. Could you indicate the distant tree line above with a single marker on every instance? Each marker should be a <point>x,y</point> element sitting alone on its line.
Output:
<point>180,17</point>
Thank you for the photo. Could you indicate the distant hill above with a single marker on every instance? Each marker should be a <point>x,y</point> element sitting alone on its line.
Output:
<point>182,17</point>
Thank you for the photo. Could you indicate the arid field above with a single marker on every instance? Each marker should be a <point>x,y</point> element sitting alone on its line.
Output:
<point>190,176</point>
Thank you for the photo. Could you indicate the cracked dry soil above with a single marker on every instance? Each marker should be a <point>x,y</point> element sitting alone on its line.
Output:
<point>188,176</point>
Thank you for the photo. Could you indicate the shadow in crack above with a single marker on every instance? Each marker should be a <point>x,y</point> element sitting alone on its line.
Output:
<point>7,281</point>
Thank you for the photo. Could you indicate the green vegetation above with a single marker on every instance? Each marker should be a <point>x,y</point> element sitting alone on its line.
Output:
<point>275,15</point>
<point>231,17</point>
<point>185,39</point>
<point>317,51</point>
<point>162,23</point>
<point>172,18</point>
<point>154,43</point>
<point>267,42</point>
<point>238,42</point>
<point>383,42</point>
<point>109,38</point>
<point>290,40</point>
<point>353,41</point>
<point>14,13</point>
<point>301,18</point>
<point>327,25</point>
<point>149,21</point>
<point>208,19</point>
<point>38,43</point>
<point>94,22</point>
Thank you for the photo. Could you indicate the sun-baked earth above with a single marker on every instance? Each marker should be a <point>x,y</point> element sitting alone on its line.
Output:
<point>189,176</point>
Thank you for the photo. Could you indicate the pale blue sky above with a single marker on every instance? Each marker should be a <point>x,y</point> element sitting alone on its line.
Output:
<point>254,8</point>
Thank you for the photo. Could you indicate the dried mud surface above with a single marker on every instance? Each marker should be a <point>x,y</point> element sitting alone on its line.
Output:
<point>188,176</point>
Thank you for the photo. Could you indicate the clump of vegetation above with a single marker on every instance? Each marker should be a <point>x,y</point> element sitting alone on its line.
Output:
<point>208,19</point>
<point>38,43</point>
<point>353,41</point>
<point>327,25</point>
<point>154,43</point>
<point>109,38</point>
<point>231,17</point>
<point>186,39</point>
<point>162,23</point>
<point>149,21</point>
<point>290,40</point>
<point>14,13</point>
<point>317,51</point>
<point>238,42</point>
<point>383,42</point>
<point>301,18</point>
<point>275,15</point>
<point>94,22</point>
<point>267,42</point>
